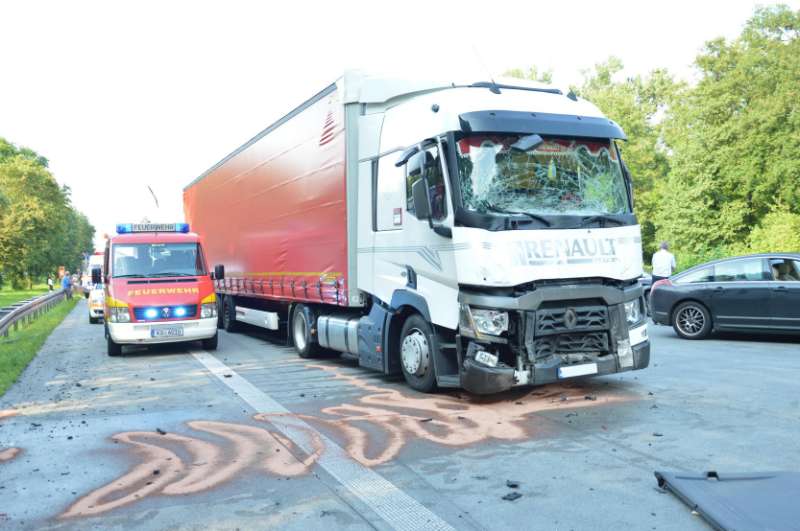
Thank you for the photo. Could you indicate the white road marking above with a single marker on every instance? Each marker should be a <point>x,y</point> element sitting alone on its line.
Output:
<point>391,504</point>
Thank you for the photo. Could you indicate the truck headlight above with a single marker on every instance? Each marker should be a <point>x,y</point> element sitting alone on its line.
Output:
<point>120,315</point>
<point>208,310</point>
<point>476,321</point>
<point>633,311</point>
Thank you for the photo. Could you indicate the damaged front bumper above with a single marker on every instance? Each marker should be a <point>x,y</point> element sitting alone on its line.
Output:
<point>546,343</point>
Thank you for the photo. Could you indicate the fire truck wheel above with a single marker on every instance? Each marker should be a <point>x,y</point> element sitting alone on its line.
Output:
<point>114,349</point>
<point>211,343</point>
<point>416,354</point>
<point>302,331</point>
<point>229,315</point>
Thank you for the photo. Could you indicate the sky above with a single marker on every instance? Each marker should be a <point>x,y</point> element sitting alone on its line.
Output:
<point>124,95</point>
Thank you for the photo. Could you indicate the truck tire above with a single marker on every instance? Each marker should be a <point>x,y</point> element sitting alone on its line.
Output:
<point>211,343</point>
<point>691,320</point>
<point>301,330</point>
<point>417,342</point>
<point>229,315</point>
<point>114,349</point>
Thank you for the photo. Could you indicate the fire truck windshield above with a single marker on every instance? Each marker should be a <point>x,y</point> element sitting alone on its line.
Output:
<point>148,260</point>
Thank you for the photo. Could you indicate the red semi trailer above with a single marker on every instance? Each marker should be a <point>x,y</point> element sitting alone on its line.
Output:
<point>473,235</point>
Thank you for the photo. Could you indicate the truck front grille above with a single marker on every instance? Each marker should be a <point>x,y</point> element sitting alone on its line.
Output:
<point>576,343</point>
<point>549,321</point>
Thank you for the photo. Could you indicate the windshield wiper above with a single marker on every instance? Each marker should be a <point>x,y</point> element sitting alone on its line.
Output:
<point>588,220</point>
<point>171,274</point>
<point>130,275</point>
<point>535,217</point>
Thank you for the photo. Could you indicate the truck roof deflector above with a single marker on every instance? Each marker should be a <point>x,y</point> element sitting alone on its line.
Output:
<point>541,123</point>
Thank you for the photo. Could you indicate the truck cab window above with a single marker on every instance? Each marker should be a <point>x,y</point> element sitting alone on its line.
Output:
<point>436,189</point>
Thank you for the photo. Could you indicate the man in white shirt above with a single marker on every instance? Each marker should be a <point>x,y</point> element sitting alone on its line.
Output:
<point>663,263</point>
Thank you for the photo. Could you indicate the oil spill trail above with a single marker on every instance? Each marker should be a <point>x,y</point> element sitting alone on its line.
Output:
<point>7,454</point>
<point>171,464</point>
<point>440,419</point>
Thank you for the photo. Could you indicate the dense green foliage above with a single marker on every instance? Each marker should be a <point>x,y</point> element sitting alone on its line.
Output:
<point>716,163</point>
<point>40,230</point>
<point>19,348</point>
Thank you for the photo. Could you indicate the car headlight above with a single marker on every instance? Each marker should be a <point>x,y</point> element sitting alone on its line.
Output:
<point>633,311</point>
<point>476,321</point>
<point>208,310</point>
<point>120,315</point>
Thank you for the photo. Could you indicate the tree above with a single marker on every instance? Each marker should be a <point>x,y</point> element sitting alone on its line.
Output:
<point>638,104</point>
<point>39,227</point>
<point>735,139</point>
<point>532,74</point>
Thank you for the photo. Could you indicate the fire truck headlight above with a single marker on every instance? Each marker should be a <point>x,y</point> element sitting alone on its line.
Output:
<point>120,315</point>
<point>208,310</point>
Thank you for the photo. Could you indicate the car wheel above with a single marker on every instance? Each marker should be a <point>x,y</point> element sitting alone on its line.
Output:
<point>416,354</point>
<point>303,321</point>
<point>211,343</point>
<point>220,312</point>
<point>92,320</point>
<point>229,315</point>
<point>114,349</point>
<point>691,320</point>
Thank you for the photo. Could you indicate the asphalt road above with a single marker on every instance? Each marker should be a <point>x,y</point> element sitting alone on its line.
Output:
<point>252,437</point>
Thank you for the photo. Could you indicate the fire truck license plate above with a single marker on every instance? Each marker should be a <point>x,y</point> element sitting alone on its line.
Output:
<point>172,331</point>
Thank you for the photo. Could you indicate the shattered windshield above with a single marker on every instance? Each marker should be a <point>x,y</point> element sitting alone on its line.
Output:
<point>553,176</point>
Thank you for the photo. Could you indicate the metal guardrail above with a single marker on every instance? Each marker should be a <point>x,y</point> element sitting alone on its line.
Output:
<point>26,311</point>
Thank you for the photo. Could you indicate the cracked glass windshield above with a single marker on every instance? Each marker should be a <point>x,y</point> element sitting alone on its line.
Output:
<point>500,173</point>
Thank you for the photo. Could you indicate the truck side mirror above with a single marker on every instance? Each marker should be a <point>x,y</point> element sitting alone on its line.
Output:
<point>219,272</point>
<point>422,205</point>
<point>97,278</point>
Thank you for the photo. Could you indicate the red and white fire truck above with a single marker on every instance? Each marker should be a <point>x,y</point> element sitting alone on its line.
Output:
<point>157,287</point>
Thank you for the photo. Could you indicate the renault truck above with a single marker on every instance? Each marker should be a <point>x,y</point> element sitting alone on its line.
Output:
<point>476,235</point>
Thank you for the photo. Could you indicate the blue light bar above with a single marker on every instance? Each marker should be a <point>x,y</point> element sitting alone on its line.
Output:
<point>128,228</point>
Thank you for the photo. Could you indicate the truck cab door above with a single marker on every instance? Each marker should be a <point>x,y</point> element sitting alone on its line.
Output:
<point>408,252</point>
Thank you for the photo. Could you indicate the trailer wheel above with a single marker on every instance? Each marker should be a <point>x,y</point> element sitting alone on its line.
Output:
<point>303,322</point>
<point>416,354</point>
<point>229,315</point>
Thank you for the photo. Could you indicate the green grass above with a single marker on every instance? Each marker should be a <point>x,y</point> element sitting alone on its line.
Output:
<point>9,296</point>
<point>19,348</point>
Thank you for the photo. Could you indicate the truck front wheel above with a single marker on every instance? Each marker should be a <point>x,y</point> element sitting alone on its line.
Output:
<point>416,354</point>
<point>302,324</point>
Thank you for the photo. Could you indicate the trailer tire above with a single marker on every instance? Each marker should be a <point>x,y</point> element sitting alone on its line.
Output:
<point>229,315</point>
<point>417,342</point>
<point>301,331</point>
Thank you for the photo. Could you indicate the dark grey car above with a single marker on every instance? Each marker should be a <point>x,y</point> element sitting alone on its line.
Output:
<point>756,293</point>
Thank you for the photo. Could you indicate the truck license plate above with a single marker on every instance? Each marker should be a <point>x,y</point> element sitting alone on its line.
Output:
<point>577,370</point>
<point>171,331</point>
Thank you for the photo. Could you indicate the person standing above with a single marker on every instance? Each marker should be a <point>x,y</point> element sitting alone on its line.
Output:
<point>663,263</point>
<point>66,285</point>
<point>49,282</point>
